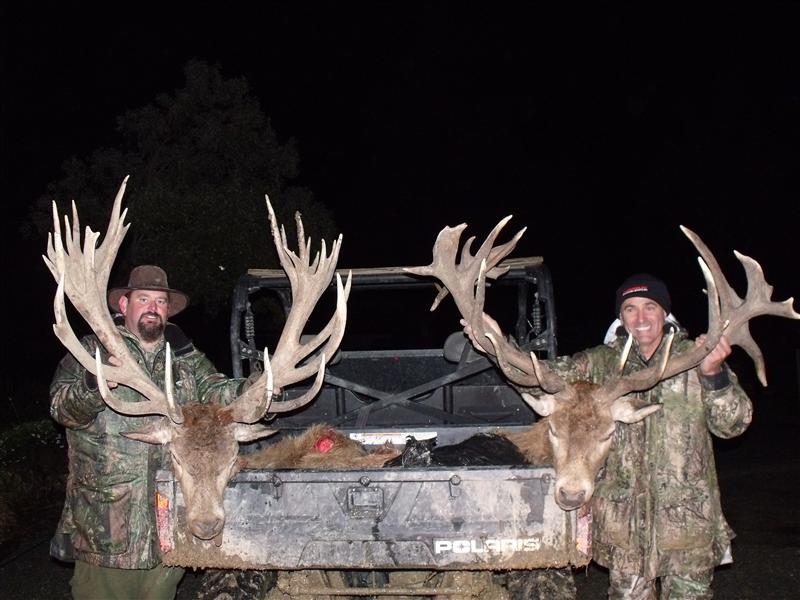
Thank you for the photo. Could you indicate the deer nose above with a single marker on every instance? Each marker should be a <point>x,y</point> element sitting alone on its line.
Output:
<point>205,530</point>
<point>569,500</point>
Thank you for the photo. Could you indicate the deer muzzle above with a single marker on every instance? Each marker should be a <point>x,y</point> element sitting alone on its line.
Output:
<point>207,528</point>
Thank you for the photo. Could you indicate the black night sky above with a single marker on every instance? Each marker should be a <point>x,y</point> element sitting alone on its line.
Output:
<point>599,129</point>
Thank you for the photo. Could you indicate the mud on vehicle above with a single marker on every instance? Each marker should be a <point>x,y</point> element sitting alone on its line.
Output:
<point>400,372</point>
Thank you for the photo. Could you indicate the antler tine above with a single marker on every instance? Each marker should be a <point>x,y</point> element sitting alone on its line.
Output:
<point>308,281</point>
<point>466,251</point>
<point>478,323</point>
<point>518,367</point>
<point>444,254</point>
<point>332,332</point>
<point>303,244</point>
<point>253,404</point>
<point>261,392</point>
<point>83,277</point>
<point>758,295</point>
<point>471,265</point>
<point>487,250</point>
<point>76,228</point>
<point>169,408</point>
<point>295,403</point>
<point>310,284</point>
<point>511,373</point>
<point>459,277</point>
<point>466,281</point>
<point>735,313</point>
<point>494,254</point>
<point>106,254</point>
<point>619,385</point>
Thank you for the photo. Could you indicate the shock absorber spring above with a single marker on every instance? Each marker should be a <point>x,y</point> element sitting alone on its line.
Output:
<point>536,315</point>
<point>250,327</point>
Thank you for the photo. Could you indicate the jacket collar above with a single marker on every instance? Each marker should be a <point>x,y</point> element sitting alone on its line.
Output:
<point>636,356</point>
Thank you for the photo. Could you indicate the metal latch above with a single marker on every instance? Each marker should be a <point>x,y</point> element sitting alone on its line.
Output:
<point>364,501</point>
<point>277,486</point>
<point>455,482</point>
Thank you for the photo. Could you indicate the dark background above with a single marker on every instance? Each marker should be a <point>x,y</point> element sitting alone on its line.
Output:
<point>600,129</point>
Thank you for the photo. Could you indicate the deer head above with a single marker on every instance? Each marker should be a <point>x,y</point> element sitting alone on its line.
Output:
<point>202,439</point>
<point>580,417</point>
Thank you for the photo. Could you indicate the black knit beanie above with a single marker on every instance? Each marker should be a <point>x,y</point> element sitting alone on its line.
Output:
<point>644,285</point>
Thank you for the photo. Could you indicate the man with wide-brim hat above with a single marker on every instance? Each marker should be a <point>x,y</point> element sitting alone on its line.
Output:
<point>108,525</point>
<point>146,303</point>
<point>149,277</point>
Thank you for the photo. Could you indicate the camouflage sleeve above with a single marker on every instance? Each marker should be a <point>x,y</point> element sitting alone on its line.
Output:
<point>588,365</point>
<point>212,386</point>
<point>74,401</point>
<point>728,409</point>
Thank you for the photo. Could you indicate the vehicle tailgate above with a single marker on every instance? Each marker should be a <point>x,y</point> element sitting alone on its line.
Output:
<point>436,518</point>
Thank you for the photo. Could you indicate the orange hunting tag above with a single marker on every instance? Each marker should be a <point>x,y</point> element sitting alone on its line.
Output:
<point>583,535</point>
<point>163,522</point>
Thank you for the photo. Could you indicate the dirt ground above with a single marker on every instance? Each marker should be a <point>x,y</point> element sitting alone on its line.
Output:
<point>760,481</point>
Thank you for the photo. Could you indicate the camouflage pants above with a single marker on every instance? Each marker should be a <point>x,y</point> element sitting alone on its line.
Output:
<point>90,582</point>
<point>694,586</point>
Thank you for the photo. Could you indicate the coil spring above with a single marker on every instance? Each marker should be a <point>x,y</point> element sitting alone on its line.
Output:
<point>250,327</point>
<point>536,316</point>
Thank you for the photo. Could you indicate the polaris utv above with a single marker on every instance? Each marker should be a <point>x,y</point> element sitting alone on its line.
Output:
<point>402,373</point>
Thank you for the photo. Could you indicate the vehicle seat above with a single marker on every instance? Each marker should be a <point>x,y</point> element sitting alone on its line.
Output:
<point>456,346</point>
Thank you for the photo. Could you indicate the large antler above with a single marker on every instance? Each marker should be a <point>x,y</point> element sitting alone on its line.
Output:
<point>308,281</point>
<point>466,281</point>
<point>728,315</point>
<point>83,276</point>
<point>459,279</point>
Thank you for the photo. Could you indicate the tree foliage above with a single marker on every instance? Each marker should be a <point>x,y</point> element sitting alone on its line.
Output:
<point>200,162</point>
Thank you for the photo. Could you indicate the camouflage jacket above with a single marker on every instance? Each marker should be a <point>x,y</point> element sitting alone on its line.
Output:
<point>656,507</point>
<point>109,514</point>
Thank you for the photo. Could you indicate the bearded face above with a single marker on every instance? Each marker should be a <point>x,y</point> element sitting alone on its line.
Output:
<point>151,327</point>
<point>146,314</point>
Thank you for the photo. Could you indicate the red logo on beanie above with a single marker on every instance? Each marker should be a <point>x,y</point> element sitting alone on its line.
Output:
<point>636,288</point>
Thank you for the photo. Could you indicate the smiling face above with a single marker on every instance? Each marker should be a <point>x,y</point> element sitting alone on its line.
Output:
<point>145,314</point>
<point>644,320</point>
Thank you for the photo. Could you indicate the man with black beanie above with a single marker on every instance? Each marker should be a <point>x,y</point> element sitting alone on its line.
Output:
<point>656,506</point>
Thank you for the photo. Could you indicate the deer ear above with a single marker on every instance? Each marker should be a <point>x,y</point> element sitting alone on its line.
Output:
<point>156,433</point>
<point>248,433</point>
<point>631,410</point>
<point>542,404</point>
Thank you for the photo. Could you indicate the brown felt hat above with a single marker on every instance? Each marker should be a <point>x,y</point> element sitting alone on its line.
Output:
<point>149,277</point>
